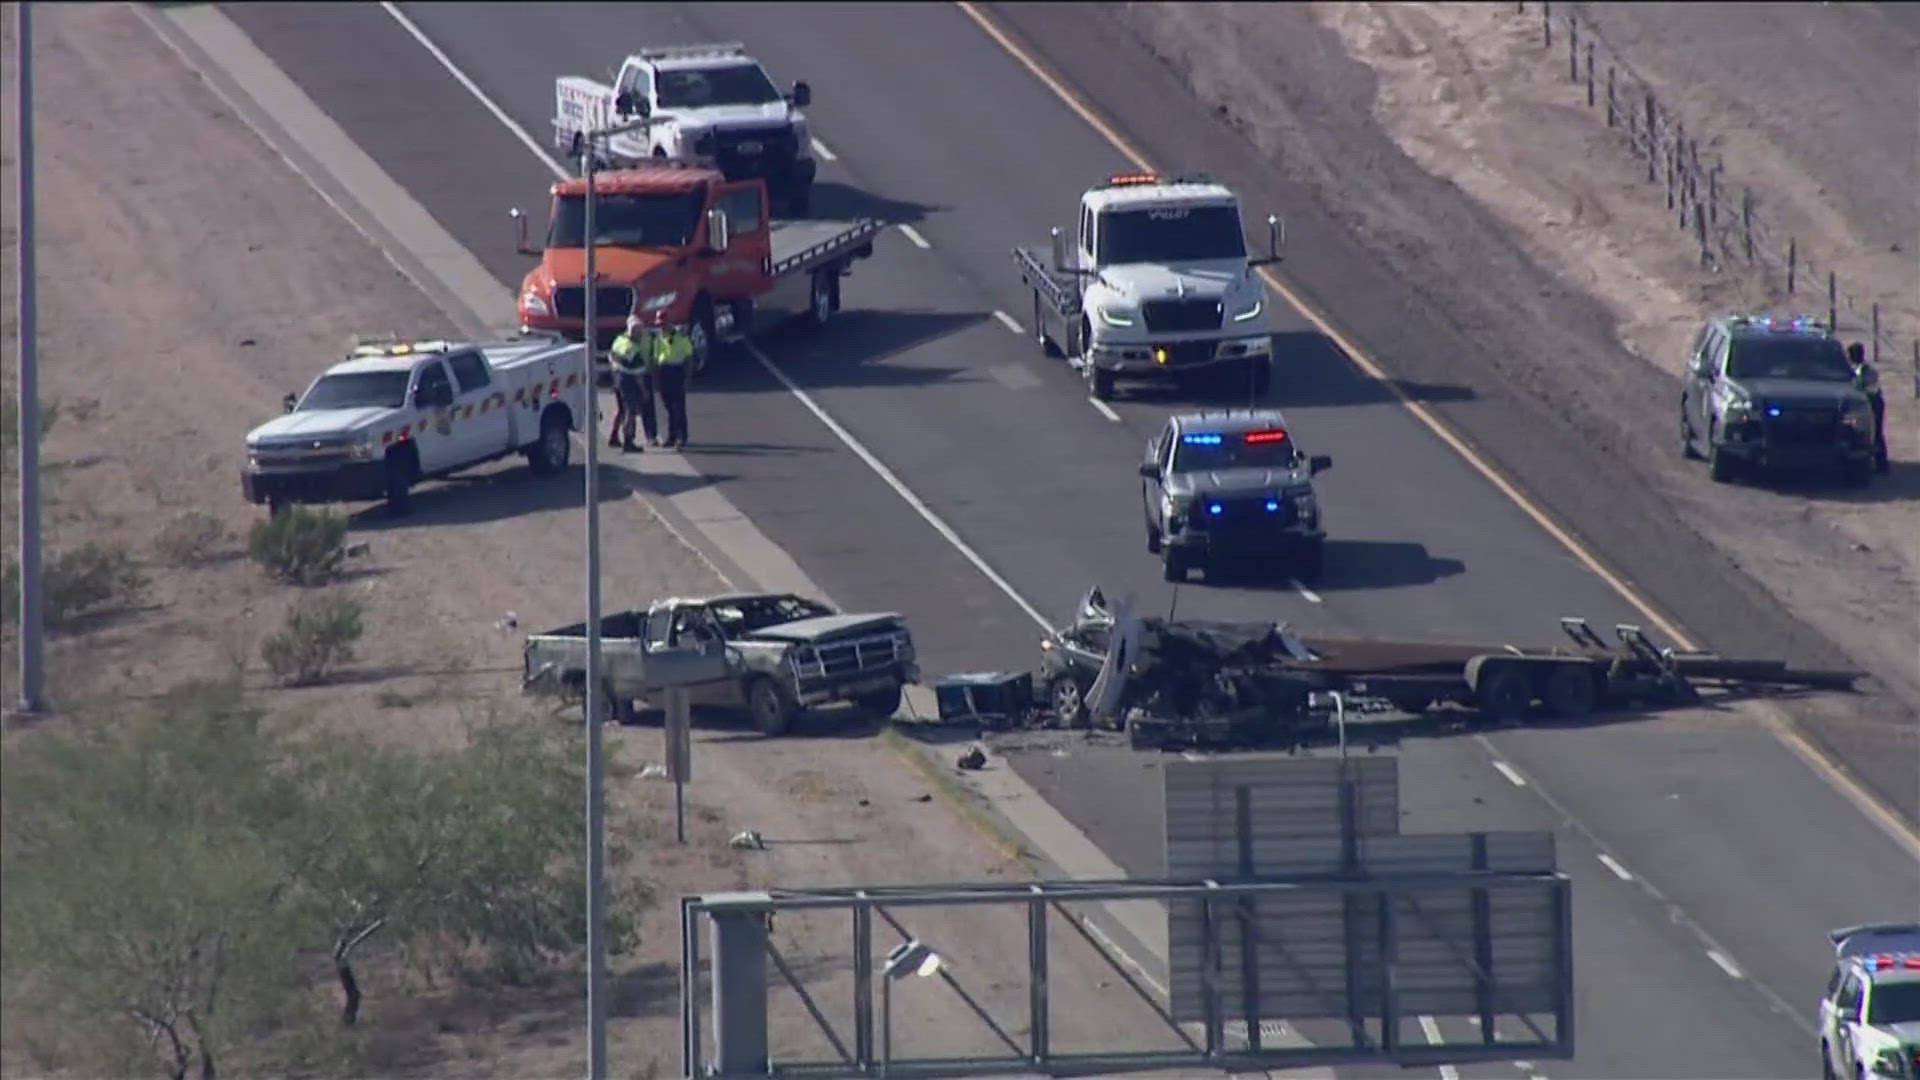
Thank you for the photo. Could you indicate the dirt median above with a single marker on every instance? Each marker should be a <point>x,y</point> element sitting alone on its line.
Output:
<point>1468,95</point>
<point>189,278</point>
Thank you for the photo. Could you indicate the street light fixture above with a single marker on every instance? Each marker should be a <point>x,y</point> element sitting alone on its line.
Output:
<point>908,959</point>
<point>596,771</point>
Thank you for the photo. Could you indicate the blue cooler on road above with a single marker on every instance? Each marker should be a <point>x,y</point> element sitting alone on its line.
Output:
<point>984,693</point>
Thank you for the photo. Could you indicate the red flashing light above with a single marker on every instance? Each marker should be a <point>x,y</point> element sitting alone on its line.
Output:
<point>1882,963</point>
<point>1133,178</point>
<point>1913,963</point>
<point>1255,438</point>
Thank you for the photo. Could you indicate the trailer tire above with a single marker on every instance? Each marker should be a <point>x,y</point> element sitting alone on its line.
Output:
<point>1503,692</point>
<point>1571,692</point>
<point>821,298</point>
<point>550,452</point>
<point>770,707</point>
<point>402,469</point>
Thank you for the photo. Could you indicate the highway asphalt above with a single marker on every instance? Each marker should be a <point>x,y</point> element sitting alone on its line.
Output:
<point>932,124</point>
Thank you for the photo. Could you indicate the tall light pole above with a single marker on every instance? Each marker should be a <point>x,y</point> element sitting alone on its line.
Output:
<point>596,768</point>
<point>32,624</point>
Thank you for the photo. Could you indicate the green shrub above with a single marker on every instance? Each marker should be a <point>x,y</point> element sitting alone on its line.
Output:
<point>92,579</point>
<point>301,546</point>
<point>194,538</point>
<point>317,638</point>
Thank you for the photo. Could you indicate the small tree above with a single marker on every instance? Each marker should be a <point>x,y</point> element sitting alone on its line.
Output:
<point>194,538</point>
<point>317,638</point>
<point>300,546</point>
<point>92,579</point>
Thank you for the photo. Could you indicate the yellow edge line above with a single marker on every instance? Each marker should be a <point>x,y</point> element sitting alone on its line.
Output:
<point>1868,804</point>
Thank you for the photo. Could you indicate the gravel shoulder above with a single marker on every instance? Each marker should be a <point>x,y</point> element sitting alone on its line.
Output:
<point>1441,137</point>
<point>188,278</point>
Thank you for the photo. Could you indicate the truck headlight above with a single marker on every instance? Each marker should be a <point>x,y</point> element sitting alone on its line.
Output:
<point>1250,311</point>
<point>361,449</point>
<point>661,302</point>
<point>1117,316</point>
<point>535,305</point>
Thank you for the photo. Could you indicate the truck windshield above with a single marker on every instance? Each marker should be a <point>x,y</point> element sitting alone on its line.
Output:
<point>738,617</point>
<point>736,84</point>
<point>1894,1003</point>
<point>626,220</point>
<point>1170,234</point>
<point>1200,452</point>
<point>357,390</point>
<point>1816,358</point>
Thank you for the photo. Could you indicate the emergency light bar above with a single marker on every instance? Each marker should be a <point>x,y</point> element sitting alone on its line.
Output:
<point>1125,179</point>
<point>1255,438</point>
<point>1888,963</point>
<point>689,52</point>
<point>394,346</point>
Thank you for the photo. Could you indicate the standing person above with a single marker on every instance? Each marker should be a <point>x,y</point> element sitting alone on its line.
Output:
<point>632,355</point>
<point>673,352</point>
<point>1867,381</point>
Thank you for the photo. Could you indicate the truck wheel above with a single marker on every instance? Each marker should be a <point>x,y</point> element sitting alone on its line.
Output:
<point>1047,348</point>
<point>882,703</point>
<point>549,453</point>
<point>820,299</point>
<point>1719,465</point>
<point>1100,382</point>
<point>1068,700</point>
<point>1153,539</point>
<point>1571,692</point>
<point>1173,564</point>
<point>770,707</point>
<point>1311,561</point>
<point>400,477</point>
<point>1504,693</point>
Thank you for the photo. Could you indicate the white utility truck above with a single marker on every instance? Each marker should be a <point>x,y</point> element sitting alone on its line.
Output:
<point>395,413</point>
<point>713,104</point>
<point>1159,286</point>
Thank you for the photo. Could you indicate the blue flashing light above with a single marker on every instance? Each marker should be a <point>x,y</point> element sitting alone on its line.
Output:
<point>1213,508</point>
<point>1201,440</point>
<point>1273,506</point>
<point>1773,410</point>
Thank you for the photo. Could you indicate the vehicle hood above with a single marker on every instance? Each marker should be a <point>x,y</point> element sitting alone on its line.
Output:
<point>824,627</point>
<point>1907,1034</point>
<point>1140,282</point>
<point>1800,391</point>
<point>311,424</point>
<point>611,265</point>
<point>1234,481</point>
<point>723,117</point>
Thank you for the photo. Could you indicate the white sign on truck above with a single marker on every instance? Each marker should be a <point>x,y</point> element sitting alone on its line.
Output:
<point>393,414</point>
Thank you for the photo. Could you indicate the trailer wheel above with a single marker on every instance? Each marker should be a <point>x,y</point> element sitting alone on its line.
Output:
<point>770,707</point>
<point>549,453</point>
<point>1571,692</point>
<point>1504,693</point>
<point>820,298</point>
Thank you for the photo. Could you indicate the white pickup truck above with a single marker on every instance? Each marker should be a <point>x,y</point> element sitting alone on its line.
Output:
<point>713,104</point>
<point>1160,286</point>
<point>396,413</point>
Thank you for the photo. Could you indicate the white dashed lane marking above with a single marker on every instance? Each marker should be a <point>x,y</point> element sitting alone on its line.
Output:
<point>1104,409</point>
<point>820,151</point>
<point>1010,322</point>
<point>1614,865</point>
<point>913,234</point>
<point>1507,771</point>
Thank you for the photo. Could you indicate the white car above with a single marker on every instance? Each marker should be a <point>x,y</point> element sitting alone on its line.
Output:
<point>1870,1015</point>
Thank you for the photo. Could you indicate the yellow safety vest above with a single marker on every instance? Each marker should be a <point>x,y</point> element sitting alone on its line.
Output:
<point>673,347</point>
<point>626,353</point>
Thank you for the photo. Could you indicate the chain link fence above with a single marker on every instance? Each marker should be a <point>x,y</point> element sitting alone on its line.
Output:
<point>1708,204</point>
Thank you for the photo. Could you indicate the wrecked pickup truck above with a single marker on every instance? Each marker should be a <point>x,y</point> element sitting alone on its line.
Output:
<point>1191,682</point>
<point>773,654</point>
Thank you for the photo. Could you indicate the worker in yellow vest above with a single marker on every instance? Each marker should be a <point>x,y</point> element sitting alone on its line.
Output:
<point>632,356</point>
<point>672,354</point>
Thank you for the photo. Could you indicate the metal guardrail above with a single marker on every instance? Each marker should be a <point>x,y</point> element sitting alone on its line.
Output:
<point>1726,224</point>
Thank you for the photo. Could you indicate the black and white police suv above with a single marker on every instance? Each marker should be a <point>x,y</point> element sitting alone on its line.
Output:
<point>1870,1015</point>
<point>1231,485</point>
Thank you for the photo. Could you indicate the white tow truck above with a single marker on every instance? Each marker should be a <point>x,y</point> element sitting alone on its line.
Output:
<point>1160,286</point>
<point>398,412</point>
<point>713,104</point>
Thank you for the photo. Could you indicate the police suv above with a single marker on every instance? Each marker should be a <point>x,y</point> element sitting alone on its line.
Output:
<point>1231,484</point>
<point>1870,1015</point>
<point>1774,393</point>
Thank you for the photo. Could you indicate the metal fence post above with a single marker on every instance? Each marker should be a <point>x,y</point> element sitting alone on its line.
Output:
<point>863,984</point>
<point>1793,264</point>
<point>1700,230</point>
<point>1573,50</point>
<point>1546,21</point>
<point>1037,988</point>
<point>1833,300</point>
<point>1613,105</point>
<point>740,926</point>
<point>1589,74</point>
<point>1875,317</point>
<point>1746,219</point>
<point>1916,367</point>
<point>1713,196</point>
<point>1653,155</point>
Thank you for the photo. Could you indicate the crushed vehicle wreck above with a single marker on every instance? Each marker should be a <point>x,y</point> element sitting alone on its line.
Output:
<point>1203,683</point>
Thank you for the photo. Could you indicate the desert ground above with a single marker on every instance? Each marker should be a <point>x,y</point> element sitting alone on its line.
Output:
<point>188,278</point>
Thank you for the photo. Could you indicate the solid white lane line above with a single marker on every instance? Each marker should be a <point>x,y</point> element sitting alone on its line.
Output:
<point>820,150</point>
<point>1725,964</point>
<point>1104,409</point>
<point>1508,771</point>
<point>1431,1030</point>
<point>1009,322</point>
<point>479,95</point>
<point>913,234</point>
<point>1614,865</point>
<point>1311,596</point>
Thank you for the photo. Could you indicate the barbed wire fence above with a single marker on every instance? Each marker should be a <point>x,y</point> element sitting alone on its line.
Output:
<point>1707,203</point>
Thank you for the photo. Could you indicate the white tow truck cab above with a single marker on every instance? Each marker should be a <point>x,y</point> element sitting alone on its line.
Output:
<point>1158,283</point>
<point>397,412</point>
<point>713,104</point>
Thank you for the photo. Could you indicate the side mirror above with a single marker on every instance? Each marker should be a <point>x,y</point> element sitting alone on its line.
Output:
<point>1318,464</point>
<point>802,95</point>
<point>719,230</point>
<point>1276,239</point>
<point>628,103</point>
<point>520,232</point>
<point>424,398</point>
<point>1150,471</point>
<point>1059,240</point>
<point>287,403</point>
